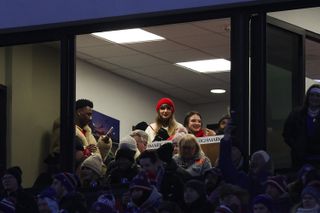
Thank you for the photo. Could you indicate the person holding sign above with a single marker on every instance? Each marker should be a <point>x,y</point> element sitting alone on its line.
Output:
<point>191,157</point>
<point>165,124</point>
<point>193,123</point>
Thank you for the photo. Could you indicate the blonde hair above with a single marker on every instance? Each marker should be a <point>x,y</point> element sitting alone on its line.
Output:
<point>190,140</point>
<point>172,124</point>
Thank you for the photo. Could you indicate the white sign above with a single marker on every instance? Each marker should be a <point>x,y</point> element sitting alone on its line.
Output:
<point>202,140</point>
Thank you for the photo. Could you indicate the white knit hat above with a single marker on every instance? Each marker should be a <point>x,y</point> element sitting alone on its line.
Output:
<point>128,142</point>
<point>93,162</point>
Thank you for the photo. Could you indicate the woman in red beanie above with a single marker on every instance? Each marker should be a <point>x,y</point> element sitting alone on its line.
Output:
<point>165,125</point>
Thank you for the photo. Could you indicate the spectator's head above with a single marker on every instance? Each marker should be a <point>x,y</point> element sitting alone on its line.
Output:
<point>276,186</point>
<point>141,125</point>
<point>212,178</point>
<point>262,204</point>
<point>193,122</point>
<point>194,190</point>
<point>64,183</point>
<point>234,197</point>
<point>124,158</point>
<point>106,203</point>
<point>74,202</point>
<point>310,197</point>
<point>149,161</point>
<point>222,123</point>
<point>11,180</point>
<point>128,142</point>
<point>47,201</point>
<point>7,206</point>
<point>165,152</point>
<point>169,207</point>
<point>165,109</point>
<point>141,138</point>
<point>182,131</point>
<point>313,97</point>
<point>189,148</point>
<point>307,173</point>
<point>261,162</point>
<point>91,168</point>
<point>140,189</point>
<point>83,112</point>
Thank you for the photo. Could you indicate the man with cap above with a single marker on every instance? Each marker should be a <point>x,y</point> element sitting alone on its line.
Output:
<point>144,197</point>
<point>11,182</point>
<point>165,124</point>
<point>91,171</point>
<point>310,200</point>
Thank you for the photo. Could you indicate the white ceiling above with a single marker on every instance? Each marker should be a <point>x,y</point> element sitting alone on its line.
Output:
<point>152,64</point>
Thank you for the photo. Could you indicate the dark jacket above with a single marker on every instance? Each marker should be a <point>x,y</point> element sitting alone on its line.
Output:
<point>295,135</point>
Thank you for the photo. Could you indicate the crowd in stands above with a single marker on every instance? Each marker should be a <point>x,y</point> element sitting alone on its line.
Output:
<point>176,177</point>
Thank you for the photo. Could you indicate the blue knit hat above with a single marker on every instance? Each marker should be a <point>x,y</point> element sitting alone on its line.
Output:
<point>68,180</point>
<point>140,181</point>
<point>264,199</point>
<point>105,203</point>
<point>313,191</point>
<point>305,170</point>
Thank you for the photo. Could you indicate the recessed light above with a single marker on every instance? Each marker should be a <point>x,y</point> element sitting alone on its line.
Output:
<point>217,91</point>
<point>317,80</point>
<point>128,36</point>
<point>207,66</point>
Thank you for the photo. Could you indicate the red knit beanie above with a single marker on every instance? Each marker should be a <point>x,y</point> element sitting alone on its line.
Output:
<point>167,101</point>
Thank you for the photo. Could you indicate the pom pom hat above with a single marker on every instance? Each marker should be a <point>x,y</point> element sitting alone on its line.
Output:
<point>167,101</point>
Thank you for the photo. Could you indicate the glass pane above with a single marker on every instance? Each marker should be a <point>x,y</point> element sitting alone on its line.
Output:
<point>282,62</point>
<point>32,76</point>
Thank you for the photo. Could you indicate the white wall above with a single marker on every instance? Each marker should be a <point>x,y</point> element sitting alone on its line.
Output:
<point>129,101</point>
<point>212,113</point>
<point>34,102</point>
<point>304,18</point>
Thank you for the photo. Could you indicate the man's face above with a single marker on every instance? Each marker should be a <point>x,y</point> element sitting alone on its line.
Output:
<point>84,115</point>
<point>273,191</point>
<point>260,208</point>
<point>43,205</point>
<point>148,166</point>
<point>141,143</point>
<point>314,99</point>
<point>9,182</point>
<point>309,201</point>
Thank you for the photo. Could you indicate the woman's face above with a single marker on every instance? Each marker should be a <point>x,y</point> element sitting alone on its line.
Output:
<point>188,151</point>
<point>309,201</point>
<point>194,124</point>
<point>165,112</point>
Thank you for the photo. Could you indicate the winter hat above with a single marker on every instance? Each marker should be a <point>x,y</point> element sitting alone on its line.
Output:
<point>229,189</point>
<point>167,101</point>
<point>313,191</point>
<point>278,181</point>
<point>125,153</point>
<point>7,206</point>
<point>93,162</point>
<point>16,172</point>
<point>198,186</point>
<point>262,153</point>
<point>165,152</point>
<point>128,142</point>
<point>49,196</point>
<point>142,126</point>
<point>68,180</point>
<point>223,209</point>
<point>264,199</point>
<point>305,170</point>
<point>140,181</point>
<point>105,203</point>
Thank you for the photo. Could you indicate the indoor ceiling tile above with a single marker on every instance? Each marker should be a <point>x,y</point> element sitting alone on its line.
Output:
<point>221,26</point>
<point>104,64</point>
<point>204,40</point>
<point>88,40</point>
<point>138,60</point>
<point>106,51</point>
<point>156,46</point>
<point>183,55</point>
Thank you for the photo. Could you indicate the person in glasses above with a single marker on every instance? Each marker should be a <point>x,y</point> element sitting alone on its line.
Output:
<point>165,124</point>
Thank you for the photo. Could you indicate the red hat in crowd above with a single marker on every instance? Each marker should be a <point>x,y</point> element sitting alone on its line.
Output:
<point>167,101</point>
